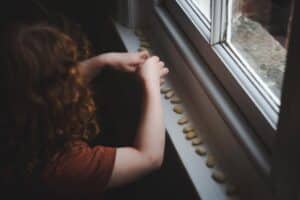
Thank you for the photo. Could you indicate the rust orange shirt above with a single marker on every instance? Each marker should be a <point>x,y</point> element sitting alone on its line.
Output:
<point>80,173</point>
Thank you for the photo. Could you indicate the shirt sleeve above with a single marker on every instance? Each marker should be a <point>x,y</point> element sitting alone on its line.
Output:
<point>84,171</point>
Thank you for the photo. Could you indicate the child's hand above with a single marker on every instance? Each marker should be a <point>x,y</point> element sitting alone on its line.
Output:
<point>128,62</point>
<point>153,70</point>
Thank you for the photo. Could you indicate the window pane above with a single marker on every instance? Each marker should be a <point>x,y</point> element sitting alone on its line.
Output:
<point>258,34</point>
<point>204,7</point>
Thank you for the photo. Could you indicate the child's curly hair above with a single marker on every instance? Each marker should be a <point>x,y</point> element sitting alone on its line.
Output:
<point>45,103</point>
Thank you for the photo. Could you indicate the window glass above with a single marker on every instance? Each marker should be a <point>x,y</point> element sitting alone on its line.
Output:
<point>258,34</point>
<point>204,7</point>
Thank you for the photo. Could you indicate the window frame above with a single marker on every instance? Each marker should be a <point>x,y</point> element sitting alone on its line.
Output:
<point>201,24</point>
<point>252,75</point>
<point>258,108</point>
<point>193,4</point>
<point>284,147</point>
<point>247,77</point>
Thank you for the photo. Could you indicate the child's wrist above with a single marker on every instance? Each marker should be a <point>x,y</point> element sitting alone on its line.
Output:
<point>151,84</point>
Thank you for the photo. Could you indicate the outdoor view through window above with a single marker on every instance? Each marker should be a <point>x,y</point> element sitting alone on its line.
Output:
<point>258,34</point>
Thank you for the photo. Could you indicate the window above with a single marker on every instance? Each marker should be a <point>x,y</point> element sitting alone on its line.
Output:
<point>249,39</point>
<point>245,58</point>
<point>257,33</point>
<point>199,12</point>
<point>254,34</point>
<point>203,6</point>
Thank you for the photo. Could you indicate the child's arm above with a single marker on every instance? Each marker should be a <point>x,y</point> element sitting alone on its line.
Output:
<point>119,61</point>
<point>148,149</point>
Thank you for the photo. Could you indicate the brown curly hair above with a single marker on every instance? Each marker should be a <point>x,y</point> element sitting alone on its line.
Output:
<point>45,102</point>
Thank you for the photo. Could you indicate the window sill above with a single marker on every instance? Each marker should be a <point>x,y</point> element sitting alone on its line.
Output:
<point>220,138</point>
<point>220,99</point>
<point>194,165</point>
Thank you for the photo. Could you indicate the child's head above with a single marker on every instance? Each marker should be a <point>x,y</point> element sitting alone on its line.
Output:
<point>45,102</point>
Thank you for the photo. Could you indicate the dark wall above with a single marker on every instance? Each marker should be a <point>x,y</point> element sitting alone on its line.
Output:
<point>94,16</point>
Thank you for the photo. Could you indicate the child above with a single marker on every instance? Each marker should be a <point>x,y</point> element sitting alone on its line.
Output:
<point>48,112</point>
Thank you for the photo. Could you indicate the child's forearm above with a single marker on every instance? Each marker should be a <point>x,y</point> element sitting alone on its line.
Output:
<point>127,62</point>
<point>93,66</point>
<point>148,149</point>
<point>150,138</point>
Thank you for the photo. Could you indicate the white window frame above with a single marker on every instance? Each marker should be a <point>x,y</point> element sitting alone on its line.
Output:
<point>248,70</point>
<point>200,11</point>
<point>255,100</point>
<point>247,77</point>
<point>282,171</point>
<point>197,18</point>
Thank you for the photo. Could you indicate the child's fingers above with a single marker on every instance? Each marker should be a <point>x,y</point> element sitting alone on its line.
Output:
<point>154,58</point>
<point>164,71</point>
<point>161,64</point>
<point>138,58</point>
<point>130,68</point>
<point>144,54</point>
